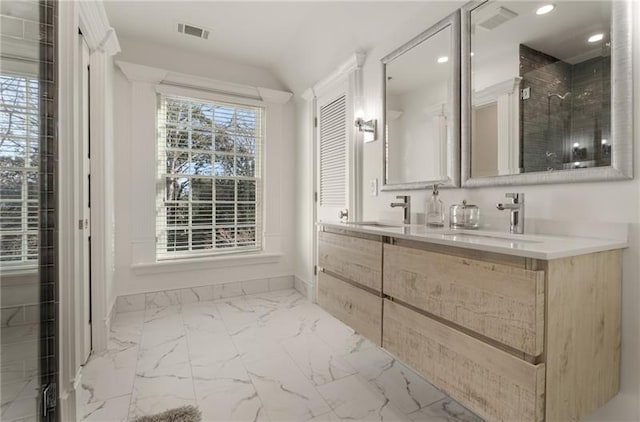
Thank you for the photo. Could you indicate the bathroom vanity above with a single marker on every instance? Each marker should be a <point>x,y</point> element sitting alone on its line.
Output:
<point>516,328</point>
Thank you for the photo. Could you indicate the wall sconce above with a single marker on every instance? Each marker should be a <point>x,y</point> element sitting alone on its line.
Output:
<point>606,148</point>
<point>579,152</point>
<point>368,129</point>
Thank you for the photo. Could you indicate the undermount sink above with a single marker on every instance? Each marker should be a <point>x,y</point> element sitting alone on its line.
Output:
<point>491,235</point>
<point>376,223</point>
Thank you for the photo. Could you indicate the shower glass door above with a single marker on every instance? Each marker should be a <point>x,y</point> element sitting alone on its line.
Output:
<point>28,232</point>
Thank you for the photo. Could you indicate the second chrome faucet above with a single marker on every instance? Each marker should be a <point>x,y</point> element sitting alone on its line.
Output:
<point>517,211</point>
<point>406,205</point>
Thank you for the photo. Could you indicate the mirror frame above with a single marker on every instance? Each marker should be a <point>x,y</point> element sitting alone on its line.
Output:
<point>452,178</point>
<point>621,110</point>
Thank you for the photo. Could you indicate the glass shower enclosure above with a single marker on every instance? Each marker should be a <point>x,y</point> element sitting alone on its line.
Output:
<point>28,219</point>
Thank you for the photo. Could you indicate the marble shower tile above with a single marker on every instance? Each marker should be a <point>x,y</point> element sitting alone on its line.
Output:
<point>354,398</point>
<point>129,303</point>
<point>162,299</point>
<point>286,394</point>
<point>446,410</point>
<point>316,360</point>
<point>196,294</point>
<point>112,410</point>
<point>11,316</point>
<point>406,390</point>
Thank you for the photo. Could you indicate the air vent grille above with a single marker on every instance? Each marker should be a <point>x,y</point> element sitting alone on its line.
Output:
<point>501,15</point>
<point>192,30</point>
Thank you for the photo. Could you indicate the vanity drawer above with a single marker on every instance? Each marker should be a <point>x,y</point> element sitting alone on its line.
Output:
<point>502,302</point>
<point>356,307</point>
<point>494,384</point>
<point>358,260</point>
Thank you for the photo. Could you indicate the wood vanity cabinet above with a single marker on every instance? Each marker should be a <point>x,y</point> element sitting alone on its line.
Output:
<point>512,338</point>
<point>350,281</point>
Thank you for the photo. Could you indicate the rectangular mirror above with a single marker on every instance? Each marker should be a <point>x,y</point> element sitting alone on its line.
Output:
<point>421,119</point>
<point>539,105</point>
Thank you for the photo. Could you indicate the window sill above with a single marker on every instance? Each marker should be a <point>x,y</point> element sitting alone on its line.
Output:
<point>179,265</point>
<point>19,270</point>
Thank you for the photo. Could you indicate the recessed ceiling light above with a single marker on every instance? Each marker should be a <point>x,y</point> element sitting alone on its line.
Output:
<point>473,54</point>
<point>543,10</point>
<point>596,37</point>
<point>443,59</point>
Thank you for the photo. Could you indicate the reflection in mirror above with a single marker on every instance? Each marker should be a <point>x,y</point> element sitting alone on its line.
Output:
<point>421,109</point>
<point>541,87</point>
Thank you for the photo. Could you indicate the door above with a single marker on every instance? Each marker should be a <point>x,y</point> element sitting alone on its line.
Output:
<point>333,153</point>
<point>84,223</point>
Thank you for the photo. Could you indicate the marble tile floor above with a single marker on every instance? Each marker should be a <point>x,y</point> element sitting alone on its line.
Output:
<point>266,357</point>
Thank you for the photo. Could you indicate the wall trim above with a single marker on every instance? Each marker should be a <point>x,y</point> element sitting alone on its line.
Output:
<point>142,73</point>
<point>203,293</point>
<point>194,264</point>
<point>67,132</point>
<point>353,63</point>
<point>95,28</point>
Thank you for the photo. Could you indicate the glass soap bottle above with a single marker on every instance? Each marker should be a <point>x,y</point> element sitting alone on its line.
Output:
<point>435,209</point>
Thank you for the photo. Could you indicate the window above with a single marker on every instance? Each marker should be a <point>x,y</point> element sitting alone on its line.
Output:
<point>210,185</point>
<point>19,161</point>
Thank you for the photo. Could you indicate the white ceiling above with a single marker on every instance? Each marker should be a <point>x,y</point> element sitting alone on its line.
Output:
<point>299,41</point>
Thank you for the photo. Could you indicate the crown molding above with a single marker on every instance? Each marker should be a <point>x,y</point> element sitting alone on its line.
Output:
<point>141,73</point>
<point>353,63</point>
<point>95,27</point>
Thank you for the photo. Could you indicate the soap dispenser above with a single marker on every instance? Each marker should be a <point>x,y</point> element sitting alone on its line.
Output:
<point>434,209</point>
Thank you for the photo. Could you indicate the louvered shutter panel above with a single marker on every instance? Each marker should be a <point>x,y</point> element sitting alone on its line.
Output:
<point>333,150</point>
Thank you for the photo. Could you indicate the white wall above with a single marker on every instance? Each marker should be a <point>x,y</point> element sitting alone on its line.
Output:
<point>135,165</point>
<point>585,203</point>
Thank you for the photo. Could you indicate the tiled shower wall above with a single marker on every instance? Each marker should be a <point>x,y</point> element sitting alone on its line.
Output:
<point>549,125</point>
<point>543,74</point>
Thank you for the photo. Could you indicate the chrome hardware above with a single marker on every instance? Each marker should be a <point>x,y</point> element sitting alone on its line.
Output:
<point>406,205</point>
<point>517,211</point>
<point>343,215</point>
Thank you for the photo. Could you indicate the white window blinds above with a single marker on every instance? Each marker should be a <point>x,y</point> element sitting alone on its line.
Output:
<point>333,151</point>
<point>19,163</point>
<point>209,166</point>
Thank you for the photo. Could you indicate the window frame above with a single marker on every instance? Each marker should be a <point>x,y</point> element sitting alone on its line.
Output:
<point>25,264</point>
<point>161,252</point>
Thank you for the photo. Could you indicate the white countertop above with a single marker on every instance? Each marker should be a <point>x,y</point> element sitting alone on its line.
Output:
<point>528,245</point>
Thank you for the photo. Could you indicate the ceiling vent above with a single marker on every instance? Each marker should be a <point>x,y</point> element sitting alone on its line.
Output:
<point>195,31</point>
<point>497,18</point>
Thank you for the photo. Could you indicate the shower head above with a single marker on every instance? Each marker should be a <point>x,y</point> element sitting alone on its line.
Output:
<point>562,97</point>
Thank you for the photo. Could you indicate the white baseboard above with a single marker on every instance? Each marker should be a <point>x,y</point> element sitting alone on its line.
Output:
<point>304,288</point>
<point>163,298</point>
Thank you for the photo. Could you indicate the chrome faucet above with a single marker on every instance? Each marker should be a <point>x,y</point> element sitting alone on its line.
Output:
<point>517,211</point>
<point>406,205</point>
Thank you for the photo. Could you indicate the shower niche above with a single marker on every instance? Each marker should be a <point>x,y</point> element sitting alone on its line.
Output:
<point>538,101</point>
